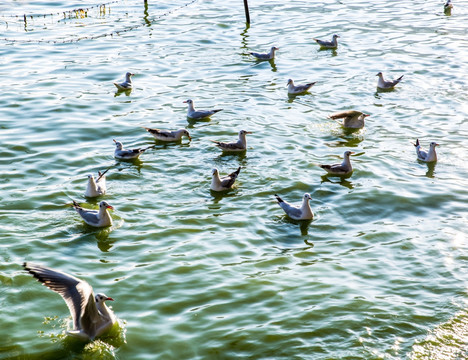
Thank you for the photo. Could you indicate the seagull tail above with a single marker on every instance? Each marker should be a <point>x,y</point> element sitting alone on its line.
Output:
<point>76,205</point>
<point>417,143</point>
<point>101,174</point>
<point>216,110</point>
<point>237,171</point>
<point>278,199</point>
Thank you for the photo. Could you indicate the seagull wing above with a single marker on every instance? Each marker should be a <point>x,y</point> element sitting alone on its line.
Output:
<point>78,294</point>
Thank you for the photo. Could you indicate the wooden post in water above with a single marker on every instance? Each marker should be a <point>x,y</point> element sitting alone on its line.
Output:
<point>247,15</point>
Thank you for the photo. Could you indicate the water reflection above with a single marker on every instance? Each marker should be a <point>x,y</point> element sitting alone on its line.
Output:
<point>339,180</point>
<point>120,92</point>
<point>245,37</point>
<point>430,169</point>
<point>146,15</point>
<point>193,122</point>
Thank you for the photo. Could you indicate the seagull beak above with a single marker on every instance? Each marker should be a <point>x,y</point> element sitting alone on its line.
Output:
<point>352,152</point>
<point>437,144</point>
<point>366,115</point>
<point>189,137</point>
<point>109,298</point>
<point>248,132</point>
<point>184,102</point>
<point>109,207</point>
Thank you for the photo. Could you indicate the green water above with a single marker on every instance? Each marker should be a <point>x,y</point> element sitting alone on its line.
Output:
<point>380,273</point>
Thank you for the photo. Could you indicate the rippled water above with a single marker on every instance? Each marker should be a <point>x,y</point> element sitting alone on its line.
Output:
<point>380,273</point>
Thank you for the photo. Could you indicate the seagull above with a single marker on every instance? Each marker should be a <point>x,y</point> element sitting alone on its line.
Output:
<point>165,135</point>
<point>224,183</point>
<point>96,187</point>
<point>96,218</point>
<point>351,119</point>
<point>295,212</point>
<point>127,84</point>
<point>267,56</point>
<point>384,84</point>
<point>298,89</point>
<point>128,154</point>
<point>239,145</point>
<point>198,114</point>
<point>342,169</point>
<point>328,44</point>
<point>90,314</point>
<point>429,156</point>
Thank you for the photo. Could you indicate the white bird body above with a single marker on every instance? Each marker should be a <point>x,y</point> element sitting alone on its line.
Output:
<point>267,56</point>
<point>333,44</point>
<point>342,169</point>
<point>351,119</point>
<point>128,154</point>
<point>387,84</point>
<point>91,316</point>
<point>426,156</point>
<point>127,84</point>
<point>223,183</point>
<point>303,212</point>
<point>167,136</point>
<point>238,146</point>
<point>298,89</point>
<point>96,187</point>
<point>96,218</point>
<point>198,114</point>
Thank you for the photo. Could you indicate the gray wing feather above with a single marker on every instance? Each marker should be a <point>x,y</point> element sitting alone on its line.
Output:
<point>76,293</point>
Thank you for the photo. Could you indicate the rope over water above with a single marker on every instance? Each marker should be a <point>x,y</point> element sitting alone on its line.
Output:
<point>94,37</point>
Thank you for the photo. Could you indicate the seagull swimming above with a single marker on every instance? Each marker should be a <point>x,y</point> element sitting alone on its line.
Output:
<point>342,169</point>
<point>127,84</point>
<point>96,218</point>
<point>96,187</point>
<point>267,56</point>
<point>224,183</point>
<point>128,154</point>
<point>90,314</point>
<point>384,84</point>
<point>166,135</point>
<point>333,44</point>
<point>239,145</point>
<point>295,212</point>
<point>351,119</point>
<point>429,156</point>
<point>198,114</point>
<point>298,89</point>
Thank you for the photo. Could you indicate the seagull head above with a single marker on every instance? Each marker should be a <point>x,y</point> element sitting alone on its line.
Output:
<point>290,81</point>
<point>100,298</point>
<point>188,101</point>
<point>379,74</point>
<point>273,48</point>
<point>433,144</point>
<point>244,132</point>
<point>214,171</point>
<point>307,196</point>
<point>348,153</point>
<point>118,144</point>
<point>186,133</point>
<point>104,204</point>
<point>90,176</point>
<point>336,36</point>
<point>129,74</point>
